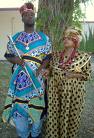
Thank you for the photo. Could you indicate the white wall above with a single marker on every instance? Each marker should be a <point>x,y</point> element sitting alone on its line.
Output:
<point>10,23</point>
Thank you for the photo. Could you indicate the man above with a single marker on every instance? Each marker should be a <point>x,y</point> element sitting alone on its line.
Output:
<point>25,101</point>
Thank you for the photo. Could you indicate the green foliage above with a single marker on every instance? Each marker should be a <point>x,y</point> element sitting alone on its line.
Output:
<point>54,15</point>
<point>87,44</point>
<point>78,15</point>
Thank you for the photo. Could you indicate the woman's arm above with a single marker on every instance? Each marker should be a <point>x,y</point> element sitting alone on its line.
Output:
<point>83,75</point>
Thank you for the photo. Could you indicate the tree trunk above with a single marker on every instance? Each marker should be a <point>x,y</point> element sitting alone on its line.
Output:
<point>53,15</point>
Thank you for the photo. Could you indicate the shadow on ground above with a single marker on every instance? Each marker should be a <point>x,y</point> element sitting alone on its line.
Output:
<point>87,121</point>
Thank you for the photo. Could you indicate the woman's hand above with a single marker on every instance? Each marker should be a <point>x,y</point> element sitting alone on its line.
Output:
<point>70,74</point>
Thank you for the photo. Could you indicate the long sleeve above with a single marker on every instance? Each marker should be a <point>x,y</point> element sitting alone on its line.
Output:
<point>8,55</point>
<point>86,70</point>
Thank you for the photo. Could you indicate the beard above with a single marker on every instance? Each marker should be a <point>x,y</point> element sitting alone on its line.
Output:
<point>30,24</point>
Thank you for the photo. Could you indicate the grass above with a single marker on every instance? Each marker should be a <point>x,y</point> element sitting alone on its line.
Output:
<point>87,43</point>
<point>6,131</point>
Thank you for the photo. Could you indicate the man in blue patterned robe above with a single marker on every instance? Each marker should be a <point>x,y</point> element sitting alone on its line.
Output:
<point>25,101</point>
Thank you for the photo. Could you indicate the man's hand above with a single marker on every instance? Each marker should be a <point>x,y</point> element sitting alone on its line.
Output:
<point>15,60</point>
<point>19,61</point>
<point>44,72</point>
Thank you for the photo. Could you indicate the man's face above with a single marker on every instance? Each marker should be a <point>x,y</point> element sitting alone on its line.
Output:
<point>28,18</point>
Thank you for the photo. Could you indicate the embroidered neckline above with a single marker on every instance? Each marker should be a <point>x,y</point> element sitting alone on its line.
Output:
<point>26,38</point>
<point>68,62</point>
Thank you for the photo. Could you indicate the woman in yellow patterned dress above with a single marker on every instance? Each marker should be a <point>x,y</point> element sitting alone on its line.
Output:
<point>70,69</point>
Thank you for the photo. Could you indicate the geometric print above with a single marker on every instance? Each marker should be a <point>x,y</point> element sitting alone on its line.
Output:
<point>26,38</point>
<point>22,81</point>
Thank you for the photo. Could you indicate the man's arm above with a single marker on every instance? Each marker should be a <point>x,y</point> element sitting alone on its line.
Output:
<point>13,59</point>
<point>45,63</point>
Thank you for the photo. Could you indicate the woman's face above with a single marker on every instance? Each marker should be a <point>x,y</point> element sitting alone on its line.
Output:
<point>68,42</point>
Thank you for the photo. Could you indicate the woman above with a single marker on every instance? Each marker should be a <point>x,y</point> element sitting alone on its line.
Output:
<point>70,69</point>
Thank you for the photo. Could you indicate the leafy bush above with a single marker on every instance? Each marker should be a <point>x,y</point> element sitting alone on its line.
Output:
<point>87,43</point>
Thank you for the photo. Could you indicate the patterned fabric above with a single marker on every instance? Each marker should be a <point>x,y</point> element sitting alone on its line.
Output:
<point>23,128</point>
<point>23,81</point>
<point>27,7</point>
<point>66,98</point>
<point>73,32</point>
<point>26,39</point>
<point>23,97</point>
